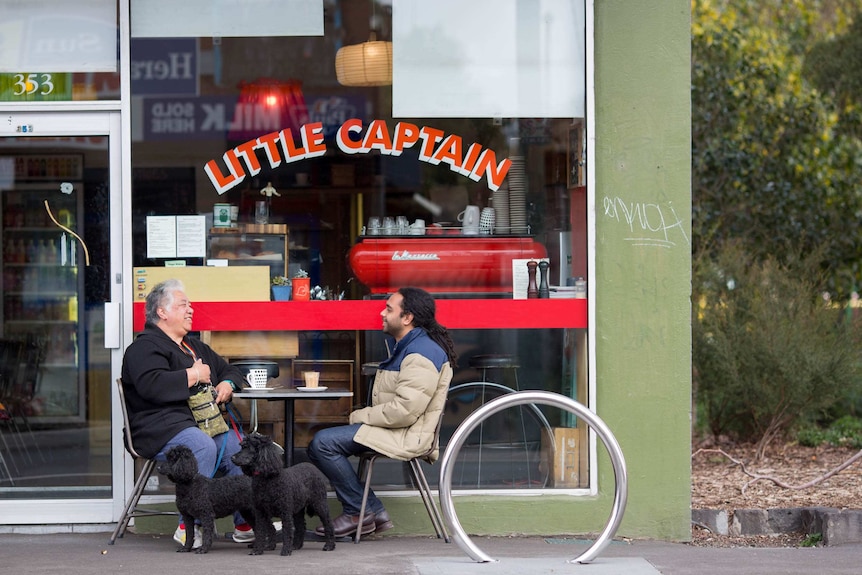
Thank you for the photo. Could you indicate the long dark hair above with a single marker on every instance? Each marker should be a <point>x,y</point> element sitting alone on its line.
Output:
<point>420,303</point>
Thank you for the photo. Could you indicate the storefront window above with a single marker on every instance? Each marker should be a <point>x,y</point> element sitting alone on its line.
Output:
<point>59,51</point>
<point>292,171</point>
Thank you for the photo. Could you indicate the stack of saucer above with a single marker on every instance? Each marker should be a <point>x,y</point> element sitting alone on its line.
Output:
<point>518,195</point>
<point>500,203</point>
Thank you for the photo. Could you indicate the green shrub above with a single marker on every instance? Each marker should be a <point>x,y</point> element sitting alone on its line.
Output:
<point>844,432</point>
<point>767,351</point>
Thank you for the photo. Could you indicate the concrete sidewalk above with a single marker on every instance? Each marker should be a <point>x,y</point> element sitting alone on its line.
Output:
<point>87,553</point>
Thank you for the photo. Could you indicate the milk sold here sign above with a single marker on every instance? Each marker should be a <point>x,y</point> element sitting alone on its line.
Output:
<point>435,147</point>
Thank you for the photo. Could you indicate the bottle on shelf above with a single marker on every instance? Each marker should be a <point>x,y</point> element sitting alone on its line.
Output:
<point>20,251</point>
<point>51,255</point>
<point>42,251</point>
<point>32,252</point>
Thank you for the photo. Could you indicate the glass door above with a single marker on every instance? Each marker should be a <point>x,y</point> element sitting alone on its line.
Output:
<point>59,189</point>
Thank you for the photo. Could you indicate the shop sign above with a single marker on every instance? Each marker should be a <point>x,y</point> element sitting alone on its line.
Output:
<point>207,117</point>
<point>213,117</point>
<point>164,66</point>
<point>435,146</point>
<point>332,111</point>
<point>58,36</point>
<point>35,87</point>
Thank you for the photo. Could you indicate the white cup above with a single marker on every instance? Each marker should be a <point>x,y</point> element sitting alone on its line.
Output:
<point>417,228</point>
<point>469,219</point>
<point>402,225</point>
<point>373,226</point>
<point>388,228</point>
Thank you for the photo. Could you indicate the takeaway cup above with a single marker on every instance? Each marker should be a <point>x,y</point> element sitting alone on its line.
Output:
<point>312,378</point>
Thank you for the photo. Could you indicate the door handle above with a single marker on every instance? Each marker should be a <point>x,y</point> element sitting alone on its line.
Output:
<point>112,325</point>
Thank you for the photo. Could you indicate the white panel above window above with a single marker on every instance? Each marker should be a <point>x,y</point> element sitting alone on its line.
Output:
<point>226,18</point>
<point>489,58</point>
<point>58,36</point>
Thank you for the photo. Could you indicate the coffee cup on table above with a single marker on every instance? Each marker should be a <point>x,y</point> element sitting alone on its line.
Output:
<point>312,378</point>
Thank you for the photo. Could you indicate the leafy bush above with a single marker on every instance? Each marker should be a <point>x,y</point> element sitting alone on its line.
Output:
<point>767,351</point>
<point>845,432</point>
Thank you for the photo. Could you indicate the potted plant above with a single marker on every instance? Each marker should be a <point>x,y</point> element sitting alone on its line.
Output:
<point>281,288</point>
<point>301,286</point>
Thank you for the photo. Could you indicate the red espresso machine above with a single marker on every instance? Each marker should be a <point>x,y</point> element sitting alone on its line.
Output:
<point>441,264</point>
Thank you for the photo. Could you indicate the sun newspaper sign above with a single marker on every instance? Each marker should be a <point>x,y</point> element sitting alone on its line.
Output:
<point>435,146</point>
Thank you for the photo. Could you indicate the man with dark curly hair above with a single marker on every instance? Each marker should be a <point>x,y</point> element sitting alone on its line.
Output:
<point>407,400</point>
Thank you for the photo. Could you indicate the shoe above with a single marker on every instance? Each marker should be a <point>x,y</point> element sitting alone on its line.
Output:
<point>382,522</point>
<point>180,536</point>
<point>243,533</point>
<point>345,525</point>
<point>247,535</point>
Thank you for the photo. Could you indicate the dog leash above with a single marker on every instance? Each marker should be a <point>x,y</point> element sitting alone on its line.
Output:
<point>232,417</point>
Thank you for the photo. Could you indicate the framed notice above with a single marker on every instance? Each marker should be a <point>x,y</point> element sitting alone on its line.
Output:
<point>576,162</point>
<point>176,236</point>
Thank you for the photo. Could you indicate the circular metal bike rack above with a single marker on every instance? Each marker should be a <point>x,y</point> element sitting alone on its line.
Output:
<point>543,398</point>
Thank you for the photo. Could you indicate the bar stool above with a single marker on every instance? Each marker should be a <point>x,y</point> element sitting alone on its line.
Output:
<point>496,361</point>
<point>503,363</point>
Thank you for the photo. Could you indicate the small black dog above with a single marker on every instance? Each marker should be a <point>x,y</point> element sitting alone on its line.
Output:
<point>205,499</point>
<point>286,493</point>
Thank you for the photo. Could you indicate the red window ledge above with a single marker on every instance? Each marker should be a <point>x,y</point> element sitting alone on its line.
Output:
<point>365,315</point>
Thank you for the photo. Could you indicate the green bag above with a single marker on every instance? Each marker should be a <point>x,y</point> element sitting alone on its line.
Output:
<point>206,411</point>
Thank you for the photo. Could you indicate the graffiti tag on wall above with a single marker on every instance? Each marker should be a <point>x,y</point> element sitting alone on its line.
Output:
<point>655,225</point>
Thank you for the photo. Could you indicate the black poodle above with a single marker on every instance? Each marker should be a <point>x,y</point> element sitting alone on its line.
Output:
<point>287,493</point>
<point>204,499</point>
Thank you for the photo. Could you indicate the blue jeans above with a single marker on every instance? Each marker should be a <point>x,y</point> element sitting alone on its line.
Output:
<point>206,450</point>
<point>329,451</point>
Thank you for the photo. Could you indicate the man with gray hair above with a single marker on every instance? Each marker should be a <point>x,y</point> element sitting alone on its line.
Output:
<point>161,368</point>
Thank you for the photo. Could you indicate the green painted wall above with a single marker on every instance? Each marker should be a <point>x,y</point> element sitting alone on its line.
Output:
<point>643,285</point>
<point>643,344</point>
<point>643,255</point>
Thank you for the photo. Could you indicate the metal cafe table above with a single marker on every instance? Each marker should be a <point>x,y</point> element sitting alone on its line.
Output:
<point>288,395</point>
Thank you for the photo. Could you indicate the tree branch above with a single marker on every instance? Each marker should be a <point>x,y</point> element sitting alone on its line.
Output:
<point>757,477</point>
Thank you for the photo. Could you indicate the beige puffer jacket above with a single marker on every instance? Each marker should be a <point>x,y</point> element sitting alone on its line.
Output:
<point>405,408</point>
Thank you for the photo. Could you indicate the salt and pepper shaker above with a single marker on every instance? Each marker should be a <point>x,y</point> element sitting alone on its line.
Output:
<point>532,288</point>
<point>544,290</point>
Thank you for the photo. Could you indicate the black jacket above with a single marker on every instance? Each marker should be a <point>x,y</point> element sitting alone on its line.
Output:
<point>156,386</point>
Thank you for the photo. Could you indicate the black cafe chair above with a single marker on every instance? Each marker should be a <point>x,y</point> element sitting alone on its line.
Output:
<point>132,508</point>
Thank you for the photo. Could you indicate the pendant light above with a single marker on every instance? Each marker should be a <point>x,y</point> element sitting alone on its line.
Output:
<point>366,64</point>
